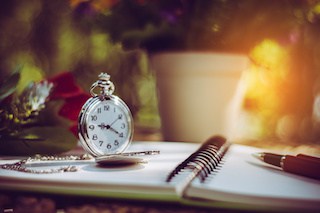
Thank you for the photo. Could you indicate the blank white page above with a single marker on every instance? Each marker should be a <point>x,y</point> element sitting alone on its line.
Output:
<point>244,179</point>
<point>146,180</point>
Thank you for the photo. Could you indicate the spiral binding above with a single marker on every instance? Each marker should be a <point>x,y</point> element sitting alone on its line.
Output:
<point>204,161</point>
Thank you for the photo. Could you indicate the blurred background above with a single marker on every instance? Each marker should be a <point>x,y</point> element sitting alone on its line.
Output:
<point>42,39</point>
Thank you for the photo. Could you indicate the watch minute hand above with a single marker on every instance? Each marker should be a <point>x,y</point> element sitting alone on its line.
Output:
<point>114,122</point>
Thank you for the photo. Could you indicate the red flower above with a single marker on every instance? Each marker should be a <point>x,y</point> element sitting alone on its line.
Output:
<point>73,105</point>
<point>65,87</point>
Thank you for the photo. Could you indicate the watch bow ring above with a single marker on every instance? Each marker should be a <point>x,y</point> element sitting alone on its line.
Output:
<point>105,122</point>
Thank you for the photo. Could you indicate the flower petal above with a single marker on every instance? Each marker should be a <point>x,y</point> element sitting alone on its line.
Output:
<point>64,86</point>
<point>73,105</point>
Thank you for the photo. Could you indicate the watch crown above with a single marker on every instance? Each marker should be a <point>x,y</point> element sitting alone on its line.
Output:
<point>104,76</point>
<point>105,85</point>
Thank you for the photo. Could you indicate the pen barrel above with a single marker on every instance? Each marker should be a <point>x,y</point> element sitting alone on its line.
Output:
<point>300,166</point>
<point>308,157</point>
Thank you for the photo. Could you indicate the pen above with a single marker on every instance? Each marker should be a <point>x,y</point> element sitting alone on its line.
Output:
<point>300,164</point>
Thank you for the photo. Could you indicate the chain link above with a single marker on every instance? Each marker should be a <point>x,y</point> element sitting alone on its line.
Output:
<point>20,166</point>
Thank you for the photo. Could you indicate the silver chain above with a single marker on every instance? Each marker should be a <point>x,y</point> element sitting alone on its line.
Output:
<point>21,165</point>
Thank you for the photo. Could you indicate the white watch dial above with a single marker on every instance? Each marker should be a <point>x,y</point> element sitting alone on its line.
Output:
<point>108,127</point>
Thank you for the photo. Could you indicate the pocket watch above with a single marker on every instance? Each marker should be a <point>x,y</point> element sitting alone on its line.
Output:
<point>105,122</point>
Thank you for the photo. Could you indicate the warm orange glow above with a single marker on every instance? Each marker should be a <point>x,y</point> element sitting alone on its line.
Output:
<point>316,108</point>
<point>269,69</point>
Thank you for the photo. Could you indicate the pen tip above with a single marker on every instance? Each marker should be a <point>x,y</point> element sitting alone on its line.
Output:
<point>258,155</point>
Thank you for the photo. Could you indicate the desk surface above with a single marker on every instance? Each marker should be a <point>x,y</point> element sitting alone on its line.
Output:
<point>10,202</point>
<point>32,202</point>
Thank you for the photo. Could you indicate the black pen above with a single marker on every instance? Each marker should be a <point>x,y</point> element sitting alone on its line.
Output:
<point>301,164</point>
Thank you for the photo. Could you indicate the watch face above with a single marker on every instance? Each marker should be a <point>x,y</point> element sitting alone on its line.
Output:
<point>106,126</point>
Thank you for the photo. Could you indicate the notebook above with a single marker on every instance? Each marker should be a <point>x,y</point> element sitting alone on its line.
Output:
<point>213,174</point>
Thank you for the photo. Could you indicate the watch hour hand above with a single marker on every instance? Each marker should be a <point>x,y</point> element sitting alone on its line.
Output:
<point>102,126</point>
<point>113,130</point>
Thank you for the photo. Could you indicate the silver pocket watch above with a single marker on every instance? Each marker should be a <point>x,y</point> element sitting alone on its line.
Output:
<point>105,122</point>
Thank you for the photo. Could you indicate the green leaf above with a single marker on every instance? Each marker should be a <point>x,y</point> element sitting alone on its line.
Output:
<point>10,85</point>
<point>38,140</point>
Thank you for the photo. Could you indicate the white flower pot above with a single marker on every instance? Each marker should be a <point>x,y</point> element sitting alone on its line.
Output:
<point>199,94</point>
